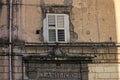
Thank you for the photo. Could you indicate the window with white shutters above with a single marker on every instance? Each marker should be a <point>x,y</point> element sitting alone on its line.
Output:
<point>56,28</point>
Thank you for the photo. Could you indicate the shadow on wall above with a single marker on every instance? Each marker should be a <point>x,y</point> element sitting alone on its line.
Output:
<point>0,6</point>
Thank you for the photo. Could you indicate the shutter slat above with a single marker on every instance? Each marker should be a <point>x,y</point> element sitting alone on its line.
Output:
<point>51,20</point>
<point>52,35</point>
<point>60,21</point>
<point>61,35</point>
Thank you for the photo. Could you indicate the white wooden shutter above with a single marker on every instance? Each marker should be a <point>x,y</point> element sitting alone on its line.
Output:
<point>60,21</point>
<point>61,35</point>
<point>60,28</point>
<point>67,31</point>
<point>45,28</point>
<point>51,28</point>
<point>51,20</point>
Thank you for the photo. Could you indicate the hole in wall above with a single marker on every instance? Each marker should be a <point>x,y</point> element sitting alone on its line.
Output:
<point>37,31</point>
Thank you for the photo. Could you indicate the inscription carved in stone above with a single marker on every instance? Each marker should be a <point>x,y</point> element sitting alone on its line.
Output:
<point>56,71</point>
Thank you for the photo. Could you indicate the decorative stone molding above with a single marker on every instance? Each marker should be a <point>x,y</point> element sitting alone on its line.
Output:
<point>57,9</point>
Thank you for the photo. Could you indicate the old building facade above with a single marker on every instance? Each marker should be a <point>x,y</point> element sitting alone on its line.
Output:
<point>59,40</point>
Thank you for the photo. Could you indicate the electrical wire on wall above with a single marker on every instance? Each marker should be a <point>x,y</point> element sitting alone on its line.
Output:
<point>10,37</point>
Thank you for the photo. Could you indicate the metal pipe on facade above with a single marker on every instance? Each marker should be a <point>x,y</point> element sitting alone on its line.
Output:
<point>10,40</point>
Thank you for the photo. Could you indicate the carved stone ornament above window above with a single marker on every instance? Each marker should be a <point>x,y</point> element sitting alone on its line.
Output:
<point>57,9</point>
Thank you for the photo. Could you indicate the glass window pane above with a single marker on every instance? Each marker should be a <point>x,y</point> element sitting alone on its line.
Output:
<point>51,20</point>
<point>52,35</point>
<point>60,21</point>
<point>61,35</point>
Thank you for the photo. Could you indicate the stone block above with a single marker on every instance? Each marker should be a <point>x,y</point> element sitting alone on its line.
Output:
<point>114,75</point>
<point>111,69</point>
<point>92,76</point>
<point>103,76</point>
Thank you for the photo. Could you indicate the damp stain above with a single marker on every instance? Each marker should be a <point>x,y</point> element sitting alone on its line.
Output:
<point>1,4</point>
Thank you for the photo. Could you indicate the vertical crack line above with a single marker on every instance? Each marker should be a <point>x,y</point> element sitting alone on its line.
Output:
<point>98,27</point>
<point>82,13</point>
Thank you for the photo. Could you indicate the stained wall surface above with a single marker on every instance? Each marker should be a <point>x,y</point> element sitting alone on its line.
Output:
<point>91,20</point>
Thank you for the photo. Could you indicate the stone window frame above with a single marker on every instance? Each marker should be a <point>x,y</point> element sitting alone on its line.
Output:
<point>66,28</point>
